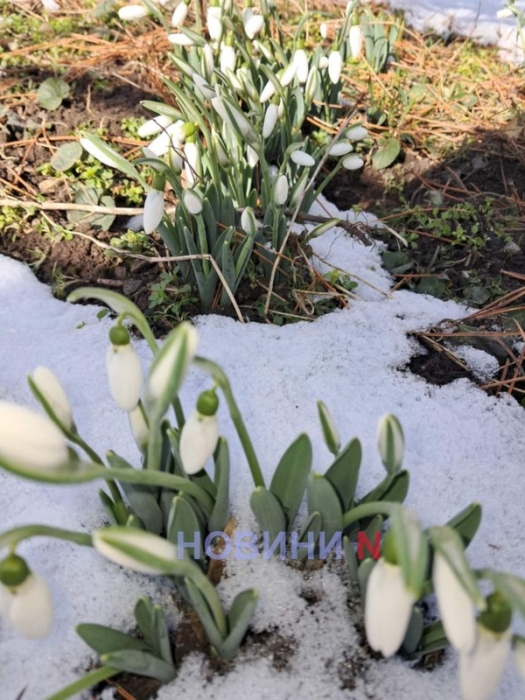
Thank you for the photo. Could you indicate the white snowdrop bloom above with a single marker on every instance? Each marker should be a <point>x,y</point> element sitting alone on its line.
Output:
<point>28,607</point>
<point>235,82</point>
<point>251,157</point>
<point>220,150</point>
<point>353,162</point>
<point>207,61</point>
<point>280,190</point>
<point>218,105</point>
<point>505,12</point>
<point>205,89</point>
<point>340,148</point>
<point>50,5</point>
<point>323,30</point>
<point>153,210</point>
<point>268,92</point>
<point>192,165</point>
<point>176,159</point>
<point>214,23</point>
<point>388,607</point>
<point>254,26</point>
<point>270,120</point>
<point>356,133</point>
<point>302,158</point>
<point>180,39</point>
<point>96,152</point>
<point>273,172</point>
<point>323,62</point>
<point>30,440</point>
<point>200,434</point>
<point>300,60</point>
<point>124,370</point>
<point>481,669</point>
<point>139,427</point>
<point>355,39</point>
<point>519,656</point>
<point>192,201</point>
<point>248,221</point>
<point>298,193</point>
<point>227,58</point>
<point>455,606</point>
<point>179,14</point>
<point>114,544</point>
<point>335,63</point>
<point>131,13</point>
<point>390,438</point>
<point>54,394</point>
<point>154,126</point>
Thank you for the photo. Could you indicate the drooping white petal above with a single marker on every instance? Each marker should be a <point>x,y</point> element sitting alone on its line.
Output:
<point>111,542</point>
<point>335,63</point>
<point>288,74</point>
<point>355,39</point>
<point>353,162</point>
<point>481,669</point>
<point>198,441</point>
<point>125,375</point>
<point>153,210</point>
<point>388,608</point>
<point>214,22</point>
<point>280,190</point>
<point>53,392</point>
<point>268,91</point>
<point>254,26</point>
<point>30,440</point>
<point>356,133</point>
<point>131,13</point>
<point>179,14</point>
<point>300,60</point>
<point>192,166</point>
<point>154,126</point>
<point>31,609</point>
<point>6,597</point>
<point>323,30</point>
<point>180,39</point>
<point>270,120</point>
<point>455,607</point>
<point>192,201</point>
<point>139,427</point>
<point>323,62</point>
<point>302,158</point>
<point>227,58</point>
<point>340,148</point>
<point>251,157</point>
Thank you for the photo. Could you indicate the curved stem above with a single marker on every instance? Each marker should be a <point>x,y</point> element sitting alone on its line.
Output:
<point>367,510</point>
<point>90,679</point>
<point>12,537</point>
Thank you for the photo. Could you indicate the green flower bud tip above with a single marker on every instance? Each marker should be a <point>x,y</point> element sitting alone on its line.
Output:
<point>208,403</point>
<point>159,182</point>
<point>498,615</point>
<point>13,571</point>
<point>188,130</point>
<point>118,335</point>
<point>390,549</point>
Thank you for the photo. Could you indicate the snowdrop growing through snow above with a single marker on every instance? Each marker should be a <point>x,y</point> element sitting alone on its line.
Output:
<point>123,369</point>
<point>53,393</point>
<point>270,120</point>
<point>200,434</point>
<point>132,13</point>
<point>390,442</point>
<point>151,553</point>
<point>25,599</point>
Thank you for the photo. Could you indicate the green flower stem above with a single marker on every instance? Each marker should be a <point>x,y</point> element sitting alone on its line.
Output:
<point>12,537</point>
<point>367,510</point>
<point>205,586</point>
<point>90,679</point>
<point>218,375</point>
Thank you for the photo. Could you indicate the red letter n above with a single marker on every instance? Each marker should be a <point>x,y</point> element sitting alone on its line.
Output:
<point>363,541</point>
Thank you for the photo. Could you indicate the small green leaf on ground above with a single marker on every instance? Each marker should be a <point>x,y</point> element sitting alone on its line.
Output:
<point>386,154</point>
<point>52,92</point>
<point>66,156</point>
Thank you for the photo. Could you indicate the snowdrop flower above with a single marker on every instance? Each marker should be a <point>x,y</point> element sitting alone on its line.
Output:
<point>355,39</point>
<point>151,554</point>
<point>180,39</point>
<point>288,74</point>
<point>205,89</point>
<point>340,148</point>
<point>124,370</point>
<point>356,133</point>
<point>154,205</point>
<point>200,434</point>
<point>270,120</point>
<point>323,30</point>
<point>268,92</point>
<point>172,134</point>
<point>388,607</point>
<point>248,221</point>
<point>280,190</point>
<point>481,669</point>
<point>253,25</point>
<point>300,60</point>
<point>139,427</point>
<point>251,156</point>
<point>207,61</point>
<point>505,12</point>
<point>227,58</point>
<point>154,126</point>
<point>323,63</point>
<point>29,440</point>
<point>390,441</point>
<point>192,201</point>
<point>312,84</point>
<point>192,166</point>
<point>131,13</point>
<point>302,158</point>
<point>54,395</point>
<point>353,162</point>
<point>25,599</point>
<point>179,14</point>
<point>96,152</point>
<point>214,22</point>
<point>455,606</point>
<point>519,655</point>
<point>335,63</point>
<point>50,5</point>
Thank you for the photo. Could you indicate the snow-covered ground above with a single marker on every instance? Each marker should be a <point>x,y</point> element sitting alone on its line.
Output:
<point>462,446</point>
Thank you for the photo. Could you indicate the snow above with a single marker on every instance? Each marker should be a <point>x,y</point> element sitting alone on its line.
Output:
<point>462,445</point>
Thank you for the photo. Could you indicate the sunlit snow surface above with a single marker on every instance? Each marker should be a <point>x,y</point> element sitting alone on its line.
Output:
<point>462,445</point>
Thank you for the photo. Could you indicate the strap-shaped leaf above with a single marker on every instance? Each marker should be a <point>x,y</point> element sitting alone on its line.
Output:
<point>268,511</point>
<point>290,477</point>
<point>411,547</point>
<point>432,639</point>
<point>321,497</point>
<point>108,506</point>
<point>364,571</point>
<point>220,514</point>
<point>107,155</point>
<point>143,613</point>
<point>414,632</point>
<point>393,488</point>
<point>104,640</point>
<point>140,662</point>
<point>447,542</point>
<point>161,636</point>
<point>344,472</point>
<point>351,559</point>
<point>312,525</point>
<point>467,522</point>
<point>203,611</point>
<point>510,586</point>
<point>239,618</point>
<point>184,525</point>
<point>374,526</point>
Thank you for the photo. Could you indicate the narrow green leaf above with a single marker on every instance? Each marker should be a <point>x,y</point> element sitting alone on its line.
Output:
<point>91,679</point>
<point>203,611</point>
<point>239,618</point>
<point>141,663</point>
<point>221,510</point>
<point>394,487</point>
<point>414,632</point>
<point>268,511</point>
<point>108,506</point>
<point>290,477</point>
<point>344,472</point>
<point>467,522</point>
<point>183,523</point>
<point>510,586</point>
<point>161,636</point>
<point>143,613</point>
<point>322,497</point>
<point>351,559</point>
<point>104,640</point>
